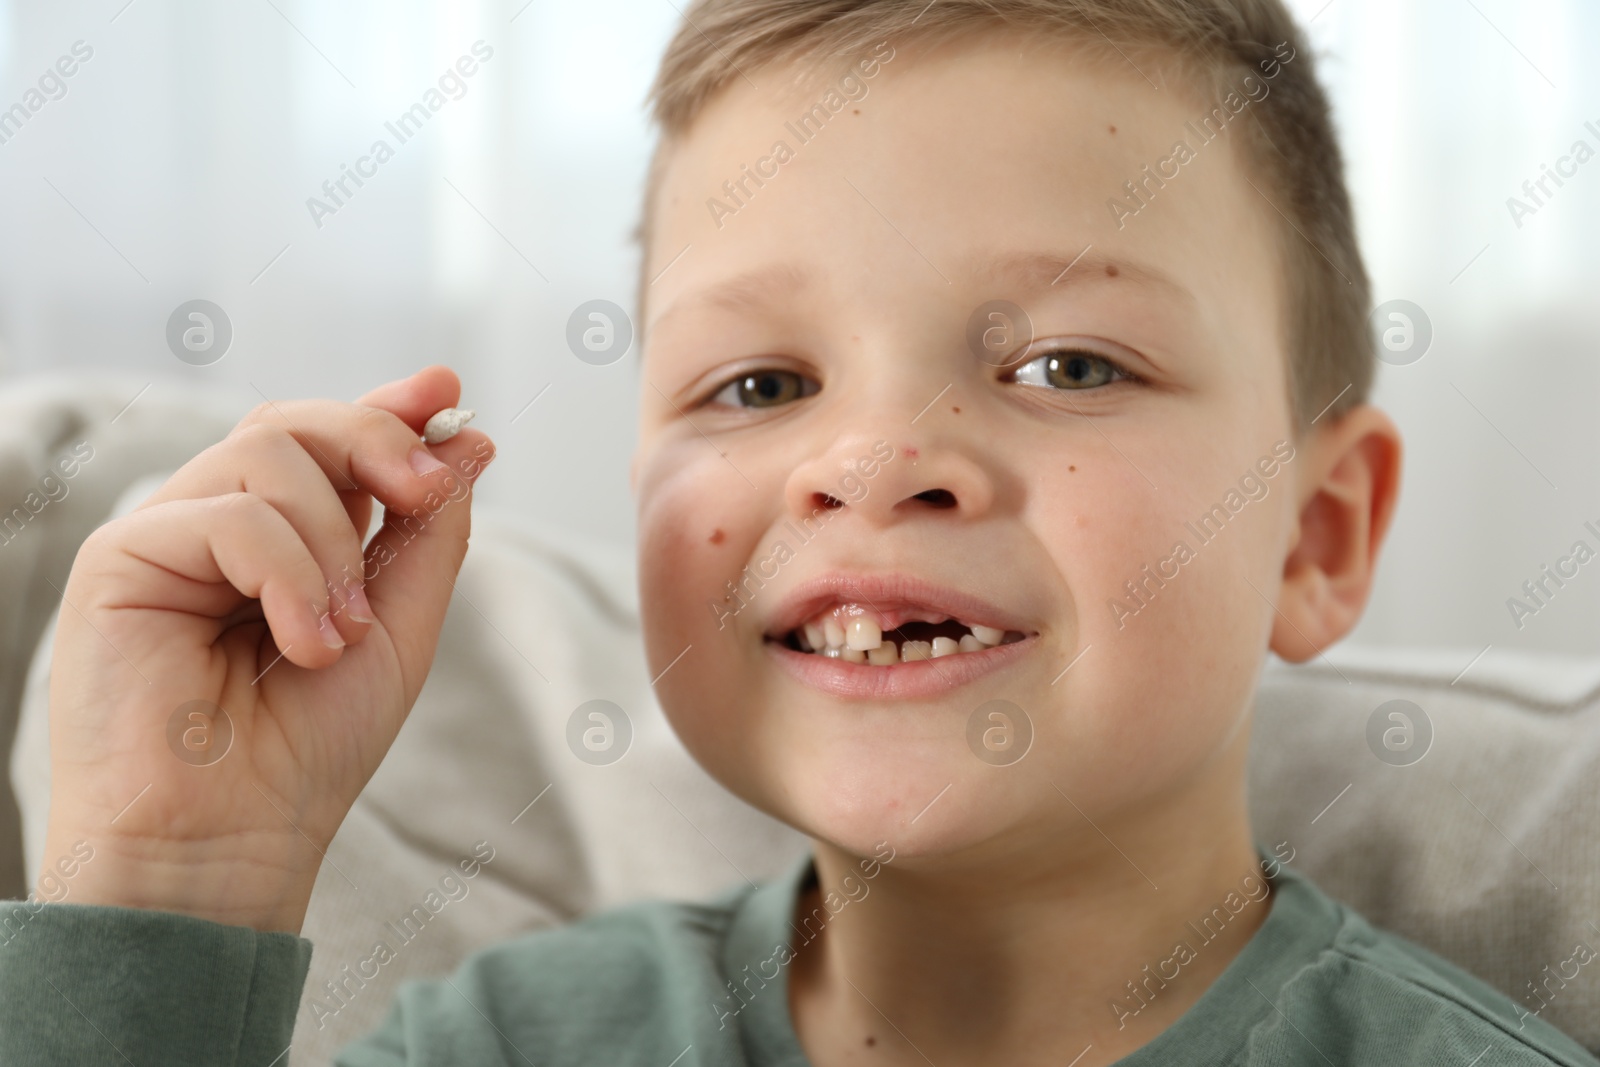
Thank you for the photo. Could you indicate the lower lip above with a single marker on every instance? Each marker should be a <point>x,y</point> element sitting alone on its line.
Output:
<point>897,681</point>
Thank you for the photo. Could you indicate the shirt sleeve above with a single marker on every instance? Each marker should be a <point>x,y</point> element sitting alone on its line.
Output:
<point>88,984</point>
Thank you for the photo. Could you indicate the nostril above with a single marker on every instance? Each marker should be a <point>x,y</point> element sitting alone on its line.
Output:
<point>825,500</point>
<point>939,498</point>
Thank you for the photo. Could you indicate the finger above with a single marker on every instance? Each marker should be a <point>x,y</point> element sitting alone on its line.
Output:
<point>415,399</point>
<point>229,546</point>
<point>360,450</point>
<point>267,462</point>
<point>413,559</point>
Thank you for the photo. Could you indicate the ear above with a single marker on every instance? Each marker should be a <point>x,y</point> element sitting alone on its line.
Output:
<point>1348,489</point>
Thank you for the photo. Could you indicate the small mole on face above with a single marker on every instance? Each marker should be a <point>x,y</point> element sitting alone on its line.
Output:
<point>1111,270</point>
<point>1113,129</point>
<point>956,410</point>
<point>1071,468</point>
<point>717,536</point>
<point>871,1041</point>
<point>858,111</point>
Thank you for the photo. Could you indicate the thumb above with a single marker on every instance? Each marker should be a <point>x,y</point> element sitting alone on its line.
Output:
<point>412,561</point>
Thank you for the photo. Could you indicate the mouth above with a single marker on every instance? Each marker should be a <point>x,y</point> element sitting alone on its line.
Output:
<point>859,634</point>
<point>892,635</point>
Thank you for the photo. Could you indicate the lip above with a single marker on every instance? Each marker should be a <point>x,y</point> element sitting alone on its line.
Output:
<point>897,681</point>
<point>899,596</point>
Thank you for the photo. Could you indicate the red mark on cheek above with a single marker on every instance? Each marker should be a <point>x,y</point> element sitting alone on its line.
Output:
<point>910,452</point>
<point>717,537</point>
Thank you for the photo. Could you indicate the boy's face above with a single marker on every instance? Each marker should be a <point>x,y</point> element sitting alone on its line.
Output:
<point>1038,490</point>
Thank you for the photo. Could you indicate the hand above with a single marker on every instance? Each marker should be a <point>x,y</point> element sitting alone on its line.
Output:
<point>243,584</point>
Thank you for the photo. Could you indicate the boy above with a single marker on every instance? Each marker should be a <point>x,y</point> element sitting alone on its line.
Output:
<point>1004,403</point>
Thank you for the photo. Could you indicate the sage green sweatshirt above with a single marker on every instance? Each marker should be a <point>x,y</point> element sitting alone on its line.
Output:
<point>663,984</point>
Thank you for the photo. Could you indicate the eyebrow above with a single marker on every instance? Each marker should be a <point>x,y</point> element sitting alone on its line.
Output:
<point>1045,270</point>
<point>744,291</point>
<point>1031,271</point>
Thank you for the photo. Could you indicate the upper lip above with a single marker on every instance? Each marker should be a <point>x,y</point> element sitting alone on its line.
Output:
<point>887,593</point>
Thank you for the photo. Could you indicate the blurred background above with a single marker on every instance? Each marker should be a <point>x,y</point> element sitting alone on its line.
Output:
<point>177,163</point>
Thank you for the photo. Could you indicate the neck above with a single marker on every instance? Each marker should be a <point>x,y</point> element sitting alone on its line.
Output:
<point>1035,950</point>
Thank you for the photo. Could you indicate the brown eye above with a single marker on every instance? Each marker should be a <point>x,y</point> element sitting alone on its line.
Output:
<point>765,389</point>
<point>1069,370</point>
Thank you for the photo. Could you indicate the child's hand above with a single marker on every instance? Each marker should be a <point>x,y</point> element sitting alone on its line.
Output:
<point>165,607</point>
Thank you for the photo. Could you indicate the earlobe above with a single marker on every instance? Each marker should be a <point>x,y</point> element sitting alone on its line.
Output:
<point>1352,482</point>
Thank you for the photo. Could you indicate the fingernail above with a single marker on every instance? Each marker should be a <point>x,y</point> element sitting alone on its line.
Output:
<point>360,609</point>
<point>425,462</point>
<point>330,633</point>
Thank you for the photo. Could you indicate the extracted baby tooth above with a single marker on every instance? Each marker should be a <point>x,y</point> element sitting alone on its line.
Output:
<point>885,655</point>
<point>988,634</point>
<point>944,646</point>
<point>914,650</point>
<point>814,635</point>
<point>445,424</point>
<point>863,633</point>
<point>968,643</point>
<point>853,655</point>
<point>833,632</point>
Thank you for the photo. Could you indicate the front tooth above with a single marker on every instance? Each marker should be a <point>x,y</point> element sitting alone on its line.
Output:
<point>834,633</point>
<point>853,655</point>
<point>915,650</point>
<point>885,655</point>
<point>969,643</point>
<point>814,635</point>
<point>944,646</point>
<point>863,633</point>
<point>987,634</point>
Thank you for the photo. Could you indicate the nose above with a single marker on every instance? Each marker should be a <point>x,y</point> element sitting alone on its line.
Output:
<point>890,476</point>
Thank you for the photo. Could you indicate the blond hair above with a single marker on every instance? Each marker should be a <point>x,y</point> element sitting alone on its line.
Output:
<point>1290,144</point>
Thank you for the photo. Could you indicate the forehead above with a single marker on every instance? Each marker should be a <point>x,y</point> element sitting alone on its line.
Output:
<point>975,167</point>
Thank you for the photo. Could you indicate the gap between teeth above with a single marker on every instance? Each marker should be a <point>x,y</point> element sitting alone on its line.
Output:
<point>861,640</point>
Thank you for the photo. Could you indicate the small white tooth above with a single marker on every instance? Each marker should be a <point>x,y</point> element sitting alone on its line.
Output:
<point>885,655</point>
<point>987,634</point>
<point>944,646</point>
<point>863,633</point>
<point>968,643</point>
<point>814,635</point>
<point>854,655</point>
<point>834,633</point>
<point>831,653</point>
<point>805,645</point>
<point>914,650</point>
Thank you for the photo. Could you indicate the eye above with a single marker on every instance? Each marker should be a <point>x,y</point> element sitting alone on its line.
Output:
<point>1070,368</point>
<point>767,388</point>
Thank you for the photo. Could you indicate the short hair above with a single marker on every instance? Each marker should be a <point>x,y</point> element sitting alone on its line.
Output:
<point>1291,144</point>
